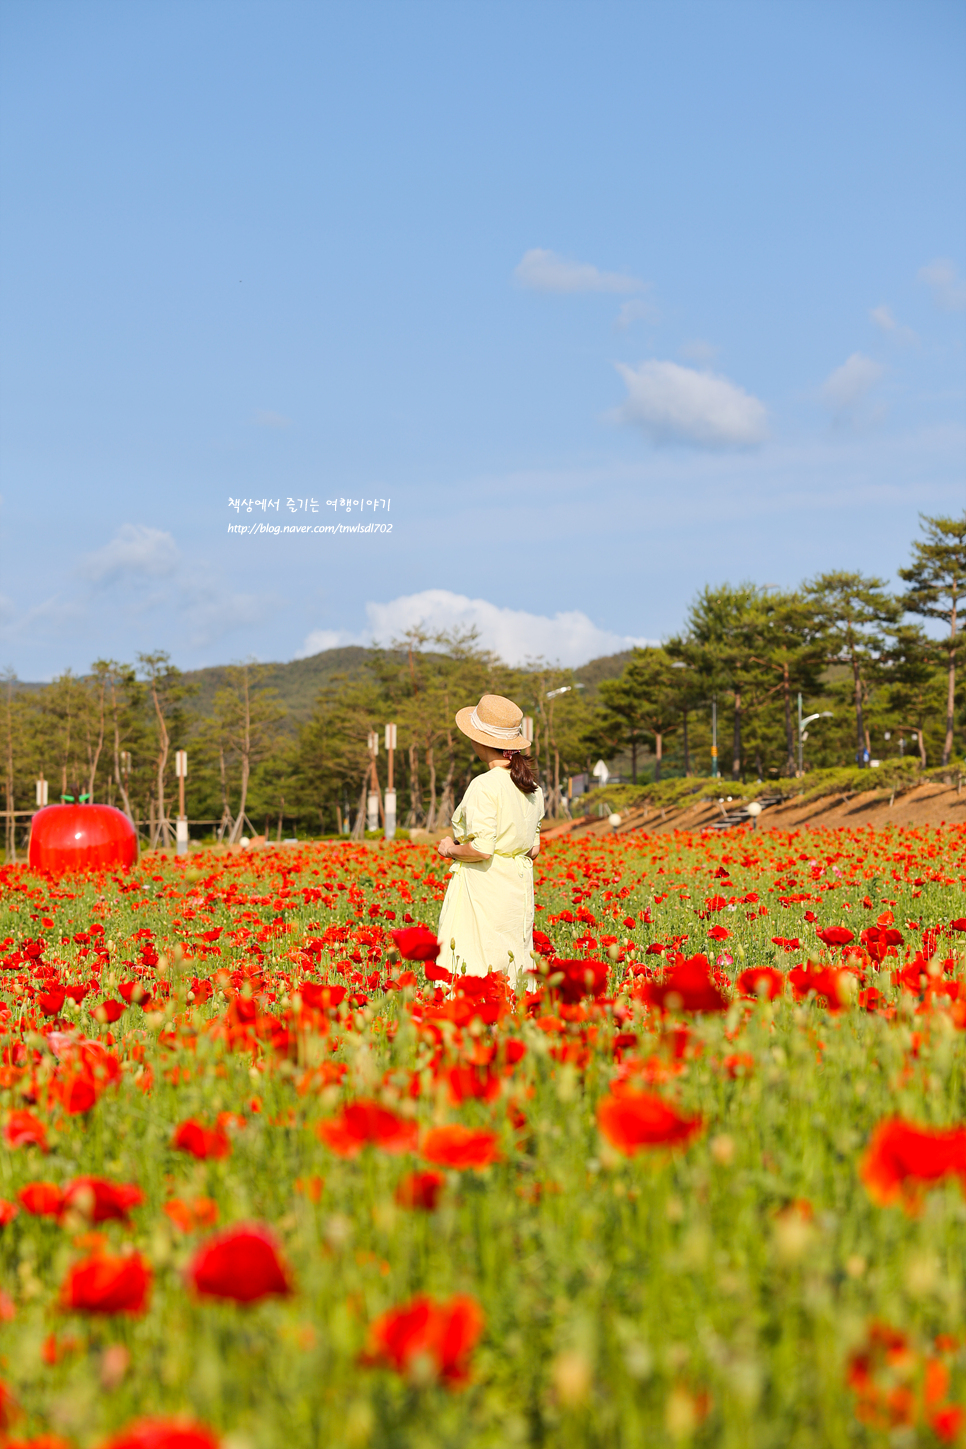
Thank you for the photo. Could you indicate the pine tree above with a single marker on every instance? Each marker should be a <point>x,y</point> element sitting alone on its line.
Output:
<point>936,579</point>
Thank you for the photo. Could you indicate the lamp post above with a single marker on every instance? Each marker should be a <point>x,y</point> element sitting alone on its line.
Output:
<point>802,736</point>
<point>714,737</point>
<point>390,796</point>
<point>181,824</point>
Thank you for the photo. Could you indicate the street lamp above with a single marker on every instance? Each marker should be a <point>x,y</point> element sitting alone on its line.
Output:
<point>822,714</point>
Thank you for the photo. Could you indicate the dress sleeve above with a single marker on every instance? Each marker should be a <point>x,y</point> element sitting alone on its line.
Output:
<point>479,809</point>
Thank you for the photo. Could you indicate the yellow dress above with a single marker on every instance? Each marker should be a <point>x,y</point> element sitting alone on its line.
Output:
<point>488,907</point>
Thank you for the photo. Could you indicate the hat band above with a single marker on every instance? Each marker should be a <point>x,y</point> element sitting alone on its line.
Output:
<point>499,732</point>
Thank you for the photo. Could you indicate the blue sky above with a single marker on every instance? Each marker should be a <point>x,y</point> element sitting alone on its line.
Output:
<point>610,300</point>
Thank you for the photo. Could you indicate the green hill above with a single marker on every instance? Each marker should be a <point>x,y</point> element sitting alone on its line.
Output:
<point>300,680</point>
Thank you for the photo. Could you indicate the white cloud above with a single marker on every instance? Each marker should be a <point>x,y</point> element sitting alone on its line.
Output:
<point>948,287</point>
<point>322,639</point>
<point>886,322</point>
<point>135,549</point>
<point>268,419</point>
<point>545,271</point>
<point>675,404</point>
<point>639,309</point>
<point>848,384</point>
<point>699,351</point>
<point>568,638</point>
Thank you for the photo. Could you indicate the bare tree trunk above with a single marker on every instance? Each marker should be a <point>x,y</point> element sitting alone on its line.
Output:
<point>245,750</point>
<point>789,735</point>
<point>94,757</point>
<point>658,752</point>
<point>117,756</point>
<point>687,748</point>
<point>415,815</point>
<point>860,733</point>
<point>359,828</point>
<point>447,803</point>
<point>951,691</point>
<point>10,847</point>
<point>164,743</point>
<point>152,825</point>
<point>227,822</point>
<point>431,762</point>
<point>736,744</point>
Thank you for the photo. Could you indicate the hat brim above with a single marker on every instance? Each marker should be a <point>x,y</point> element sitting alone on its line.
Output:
<point>463,723</point>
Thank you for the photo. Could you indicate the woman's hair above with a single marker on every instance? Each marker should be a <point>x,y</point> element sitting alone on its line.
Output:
<point>520,772</point>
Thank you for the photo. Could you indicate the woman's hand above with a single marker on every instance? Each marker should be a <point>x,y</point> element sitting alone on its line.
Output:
<point>446,847</point>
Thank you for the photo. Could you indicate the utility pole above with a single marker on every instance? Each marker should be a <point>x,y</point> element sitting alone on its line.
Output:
<point>390,812</point>
<point>714,737</point>
<point>800,740</point>
<point>181,824</point>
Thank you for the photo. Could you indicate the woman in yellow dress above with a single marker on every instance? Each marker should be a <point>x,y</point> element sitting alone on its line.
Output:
<point>486,923</point>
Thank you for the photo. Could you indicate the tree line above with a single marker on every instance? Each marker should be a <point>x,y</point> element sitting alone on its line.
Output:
<point>857,653</point>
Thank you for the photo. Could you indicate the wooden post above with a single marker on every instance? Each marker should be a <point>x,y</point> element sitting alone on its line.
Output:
<point>389,820</point>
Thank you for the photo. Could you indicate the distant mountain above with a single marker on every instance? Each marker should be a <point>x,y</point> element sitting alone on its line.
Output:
<point>609,666</point>
<point>300,681</point>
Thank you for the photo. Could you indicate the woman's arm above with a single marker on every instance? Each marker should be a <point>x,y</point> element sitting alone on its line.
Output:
<point>449,850</point>
<point>534,850</point>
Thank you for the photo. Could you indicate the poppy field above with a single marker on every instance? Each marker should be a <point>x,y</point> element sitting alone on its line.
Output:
<point>268,1177</point>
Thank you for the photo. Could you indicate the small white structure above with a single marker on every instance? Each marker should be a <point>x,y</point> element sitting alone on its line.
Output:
<point>601,773</point>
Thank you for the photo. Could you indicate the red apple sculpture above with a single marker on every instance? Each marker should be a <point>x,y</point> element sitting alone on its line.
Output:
<point>81,837</point>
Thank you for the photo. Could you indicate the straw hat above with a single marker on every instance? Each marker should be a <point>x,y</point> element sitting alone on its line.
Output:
<point>496,722</point>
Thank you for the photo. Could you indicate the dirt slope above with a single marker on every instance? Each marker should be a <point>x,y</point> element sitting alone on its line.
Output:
<point>929,804</point>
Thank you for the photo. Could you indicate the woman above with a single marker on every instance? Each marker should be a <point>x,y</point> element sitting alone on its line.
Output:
<point>486,923</point>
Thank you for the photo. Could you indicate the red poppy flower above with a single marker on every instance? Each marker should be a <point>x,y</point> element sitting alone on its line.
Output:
<point>201,1213</point>
<point>543,945</point>
<point>959,924</point>
<point>461,1147</point>
<point>420,1190</point>
<point>101,1201</point>
<point>787,943</point>
<point>416,943</point>
<point>23,1129</point>
<point>40,1441</point>
<point>321,997</point>
<point>109,1011</point>
<point>687,986</point>
<point>75,1090</point>
<point>105,1284</point>
<point>579,979</point>
<point>202,1142</point>
<point>51,1002</point>
<point>761,981</point>
<point>837,987</point>
<point>242,1263</point>
<point>425,1333</point>
<point>43,1199</point>
<point>835,935</point>
<point>719,933</point>
<point>163,1434</point>
<point>636,1120</point>
<point>8,1211</point>
<point>903,1159</point>
<point>9,1408</point>
<point>363,1123</point>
